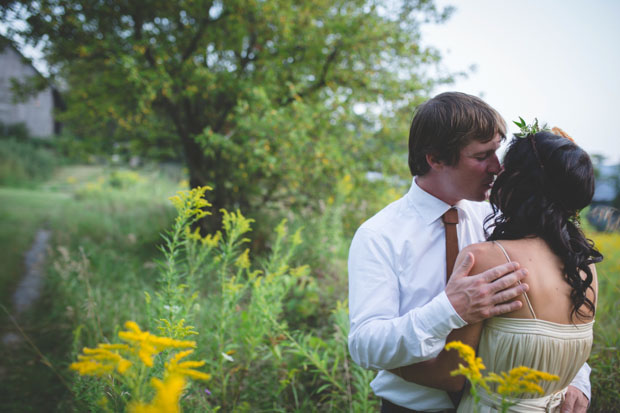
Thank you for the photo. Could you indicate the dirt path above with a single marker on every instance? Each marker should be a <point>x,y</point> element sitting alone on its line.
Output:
<point>29,288</point>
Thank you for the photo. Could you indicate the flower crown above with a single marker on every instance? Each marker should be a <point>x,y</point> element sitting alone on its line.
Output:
<point>533,128</point>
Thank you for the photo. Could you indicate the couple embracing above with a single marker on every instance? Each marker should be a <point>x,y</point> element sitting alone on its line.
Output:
<point>522,292</point>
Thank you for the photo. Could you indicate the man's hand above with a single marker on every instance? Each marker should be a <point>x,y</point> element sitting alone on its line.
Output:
<point>485,295</point>
<point>574,401</point>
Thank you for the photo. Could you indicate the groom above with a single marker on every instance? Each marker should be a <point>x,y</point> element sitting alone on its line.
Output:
<point>401,308</point>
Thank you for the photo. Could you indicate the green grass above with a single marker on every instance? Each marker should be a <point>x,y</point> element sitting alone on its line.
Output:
<point>605,357</point>
<point>117,228</point>
<point>22,213</point>
<point>106,224</point>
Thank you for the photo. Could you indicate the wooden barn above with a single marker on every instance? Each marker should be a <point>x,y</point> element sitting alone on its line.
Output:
<point>36,113</point>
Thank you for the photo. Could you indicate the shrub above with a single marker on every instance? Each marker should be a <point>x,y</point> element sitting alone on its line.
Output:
<point>24,163</point>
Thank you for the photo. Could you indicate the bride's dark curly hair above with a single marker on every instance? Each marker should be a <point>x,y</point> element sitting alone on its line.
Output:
<point>546,180</point>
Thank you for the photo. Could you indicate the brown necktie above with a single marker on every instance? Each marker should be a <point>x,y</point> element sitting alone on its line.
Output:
<point>450,219</point>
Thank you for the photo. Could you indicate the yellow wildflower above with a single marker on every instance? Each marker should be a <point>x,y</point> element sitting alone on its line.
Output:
<point>186,368</point>
<point>517,381</point>
<point>166,399</point>
<point>190,203</point>
<point>101,360</point>
<point>114,346</point>
<point>520,380</point>
<point>149,345</point>
<point>297,238</point>
<point>211,240</point>
<point>281,228</point>
<point>235,223</point>
<point>232,286</point>
<point>243,261</point>
<point>474,364</point>
<point>177,202</point>
<point>300,271</point>
<point>91,368</point>
<point>179,329</point>
<point>195,235</point>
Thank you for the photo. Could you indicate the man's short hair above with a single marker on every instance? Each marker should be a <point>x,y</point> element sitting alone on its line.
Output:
<point>445,124</point>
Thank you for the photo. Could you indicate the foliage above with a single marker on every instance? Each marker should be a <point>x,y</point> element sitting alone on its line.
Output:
<point>25,163</point>
<point>239,303</point>
<point>104,253</point>
<point>259,97</point>
<point>129,366</point>
<point>529,129</point>
<point>103,247</point>
<point>16,131</point>
<point>605,358</point>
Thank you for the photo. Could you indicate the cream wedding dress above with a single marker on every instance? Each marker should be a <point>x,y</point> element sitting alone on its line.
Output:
<point>559,349</point>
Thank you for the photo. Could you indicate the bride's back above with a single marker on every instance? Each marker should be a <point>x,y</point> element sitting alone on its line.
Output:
<point>549,293</point>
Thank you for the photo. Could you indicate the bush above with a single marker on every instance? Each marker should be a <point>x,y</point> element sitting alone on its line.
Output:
<point>24,162</point>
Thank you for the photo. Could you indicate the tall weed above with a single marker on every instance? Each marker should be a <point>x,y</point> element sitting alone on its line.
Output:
<point>238,303</point>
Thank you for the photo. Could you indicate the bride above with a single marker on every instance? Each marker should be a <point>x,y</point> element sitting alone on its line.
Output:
<point>546,180</point>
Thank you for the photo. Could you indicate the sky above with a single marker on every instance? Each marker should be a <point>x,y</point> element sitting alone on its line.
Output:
<point>556,60</point>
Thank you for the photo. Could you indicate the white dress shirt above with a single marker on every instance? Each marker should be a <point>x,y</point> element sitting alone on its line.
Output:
<point>398,310</point>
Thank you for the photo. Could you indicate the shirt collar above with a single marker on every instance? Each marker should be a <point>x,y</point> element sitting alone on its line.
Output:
<point>429,207</point>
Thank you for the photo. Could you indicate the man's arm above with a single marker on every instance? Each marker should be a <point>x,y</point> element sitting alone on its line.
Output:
<point>382,339</point>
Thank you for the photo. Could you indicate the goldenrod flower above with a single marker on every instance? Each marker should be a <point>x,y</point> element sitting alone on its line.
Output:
<point>243,261</point>
<point>148,345</point>
<point>186,368</point>
<point>91,368</point>
<point>520,380</point>
<point>190,203</point>
<point>236,221</point>
<point>300,271</point>
<point>474,364</point>
<point>296,240</point>
<point>166,399</point>
<point>101,360</point>
<point>232,286</point>
<point>517,381</point>
<point>211,240</point>
<point>195,235</point>
<point>281,230</point>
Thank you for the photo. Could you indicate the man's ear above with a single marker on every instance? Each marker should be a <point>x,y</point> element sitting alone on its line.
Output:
<point>433,162</point>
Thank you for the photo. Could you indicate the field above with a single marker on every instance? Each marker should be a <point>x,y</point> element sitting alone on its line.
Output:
<point>268,318</point>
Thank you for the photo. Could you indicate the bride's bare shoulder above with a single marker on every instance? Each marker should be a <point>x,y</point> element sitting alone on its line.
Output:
<point>486,255</point>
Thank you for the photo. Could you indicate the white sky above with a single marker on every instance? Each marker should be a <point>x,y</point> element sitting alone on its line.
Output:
<point>557,60</point>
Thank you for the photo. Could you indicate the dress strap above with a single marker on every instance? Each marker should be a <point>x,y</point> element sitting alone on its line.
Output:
<point>527,299</point>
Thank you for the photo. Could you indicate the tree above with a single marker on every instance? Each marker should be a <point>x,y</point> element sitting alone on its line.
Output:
<point>266,100</point>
